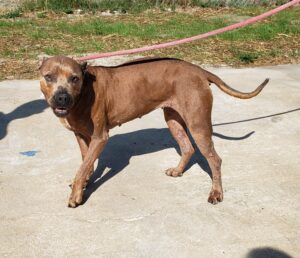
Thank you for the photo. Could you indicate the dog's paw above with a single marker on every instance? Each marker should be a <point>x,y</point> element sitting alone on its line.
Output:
<point>173,172</point>
<point>215,196</point>
<point>75,198</point>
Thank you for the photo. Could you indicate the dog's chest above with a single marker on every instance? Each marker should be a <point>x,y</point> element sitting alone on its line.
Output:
<point>66,124</point>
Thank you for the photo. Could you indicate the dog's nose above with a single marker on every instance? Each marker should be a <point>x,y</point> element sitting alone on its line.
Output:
<point>62,99</point>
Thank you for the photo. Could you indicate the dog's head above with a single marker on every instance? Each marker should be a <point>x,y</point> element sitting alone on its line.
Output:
<point>61,83</point>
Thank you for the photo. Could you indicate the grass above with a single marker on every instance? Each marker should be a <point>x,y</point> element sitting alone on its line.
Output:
<point>275,40</point>
<point>68,6</point>
<point>176,26</point>
<point>132,6</point>
<point>235,3</point>
<point>12,14</point>
<point>246,57</point>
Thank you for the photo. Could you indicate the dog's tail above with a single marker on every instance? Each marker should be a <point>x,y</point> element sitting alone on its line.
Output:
<point>232,92</point>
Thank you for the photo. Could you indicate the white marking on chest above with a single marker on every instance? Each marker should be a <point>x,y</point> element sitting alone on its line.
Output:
<point>65,123</point>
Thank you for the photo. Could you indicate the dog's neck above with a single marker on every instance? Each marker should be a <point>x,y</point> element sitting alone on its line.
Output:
<point>82,108</point>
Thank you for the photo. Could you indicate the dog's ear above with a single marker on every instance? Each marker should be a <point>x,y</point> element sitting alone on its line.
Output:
<point>42,60</point>
<point>83,65</point>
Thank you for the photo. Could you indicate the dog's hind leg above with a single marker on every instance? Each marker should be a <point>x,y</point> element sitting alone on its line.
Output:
<point>206,146</point>
<point>198,120</point>
<point>178,130</point>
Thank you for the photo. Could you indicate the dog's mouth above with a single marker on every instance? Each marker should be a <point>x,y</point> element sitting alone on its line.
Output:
<point>60,111</point>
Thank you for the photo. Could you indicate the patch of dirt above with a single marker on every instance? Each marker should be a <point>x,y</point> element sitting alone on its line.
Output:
<point>6,5</point>
<point>12,69</point>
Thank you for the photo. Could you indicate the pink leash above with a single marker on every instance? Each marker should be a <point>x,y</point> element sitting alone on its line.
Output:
<point>197,37</point>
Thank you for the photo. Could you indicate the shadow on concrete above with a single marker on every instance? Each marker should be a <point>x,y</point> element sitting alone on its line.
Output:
<point>233,138</point>
<point>257,118</point>
<point>25,110</point>
<point>120,148</point>
<point>267,252</point>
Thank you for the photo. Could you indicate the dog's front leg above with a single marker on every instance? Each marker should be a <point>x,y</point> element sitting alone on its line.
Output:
<point>83,143</point>
<point>95,148</point>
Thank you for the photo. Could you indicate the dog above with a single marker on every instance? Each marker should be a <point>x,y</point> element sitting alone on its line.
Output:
<point>91,100</point>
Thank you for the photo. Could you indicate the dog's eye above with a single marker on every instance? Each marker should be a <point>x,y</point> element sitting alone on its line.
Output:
<point>74,79</point>
<point>48,77</point>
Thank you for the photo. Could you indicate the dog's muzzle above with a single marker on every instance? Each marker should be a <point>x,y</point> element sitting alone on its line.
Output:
<point>62,103</point>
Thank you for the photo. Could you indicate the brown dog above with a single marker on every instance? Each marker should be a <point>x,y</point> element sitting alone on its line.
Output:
<point>91,100</point>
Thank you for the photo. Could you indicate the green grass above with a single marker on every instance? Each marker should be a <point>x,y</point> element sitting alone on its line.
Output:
<point>12,14</point>
<point>235,3</point>
<point>43,32</point>
<point>41,15</point>
<point>131,6</point>
<point>52,51</point>
<point>17,24</point>
<point>247,57</point>
<point>68,6</point>
<point>57,5</point>
<point>177,26</point>
<point>284,23</point>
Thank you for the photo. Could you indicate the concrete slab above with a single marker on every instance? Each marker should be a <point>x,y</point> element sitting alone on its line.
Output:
<point>134,210</point>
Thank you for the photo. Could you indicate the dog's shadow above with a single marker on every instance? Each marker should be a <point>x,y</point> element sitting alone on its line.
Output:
<point>120,148</point>
<point>25,110</point>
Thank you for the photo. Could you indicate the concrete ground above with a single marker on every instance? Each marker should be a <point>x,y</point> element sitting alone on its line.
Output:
<point>133,209</point>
